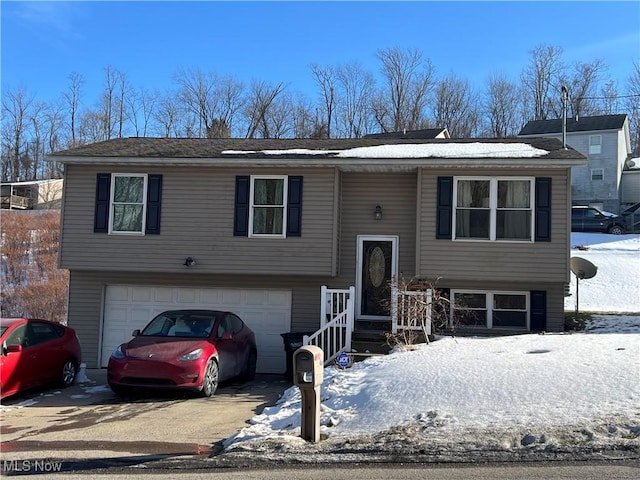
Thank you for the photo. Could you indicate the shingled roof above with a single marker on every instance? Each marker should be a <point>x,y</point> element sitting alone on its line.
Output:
<point>202,148</point>
<point>580,124</point>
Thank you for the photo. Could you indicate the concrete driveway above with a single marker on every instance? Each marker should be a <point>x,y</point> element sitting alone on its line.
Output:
<point>88,421</point>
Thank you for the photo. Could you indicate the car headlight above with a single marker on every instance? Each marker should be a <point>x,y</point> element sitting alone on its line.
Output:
<point>189,357</point>
<point>118,353</point>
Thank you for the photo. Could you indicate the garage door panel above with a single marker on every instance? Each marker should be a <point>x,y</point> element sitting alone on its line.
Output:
<point>266,312</point>
<point>231,297</point>
<point>117,293</point>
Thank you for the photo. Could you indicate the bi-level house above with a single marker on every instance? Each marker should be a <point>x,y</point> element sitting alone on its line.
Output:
<point>606,142</point>
<point>259,226</point>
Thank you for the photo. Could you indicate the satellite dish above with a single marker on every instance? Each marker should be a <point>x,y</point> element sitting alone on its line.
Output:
<point>583,268</point>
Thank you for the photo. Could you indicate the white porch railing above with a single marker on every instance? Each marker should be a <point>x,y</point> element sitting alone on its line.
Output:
<point>411,310</point>
<point>336,323</point>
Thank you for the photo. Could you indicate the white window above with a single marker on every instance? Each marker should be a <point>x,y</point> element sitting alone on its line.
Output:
<point>597,174</point>
<point>493,208</point>
<point>595,144</point>
<point>490,309</point>
<point>128,206</point>
<point>268,213</point>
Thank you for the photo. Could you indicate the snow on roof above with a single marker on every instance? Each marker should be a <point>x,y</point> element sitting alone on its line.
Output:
<point>448,150</point>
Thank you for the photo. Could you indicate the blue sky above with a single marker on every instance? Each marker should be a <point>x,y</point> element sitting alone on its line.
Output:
<point>43,42</point>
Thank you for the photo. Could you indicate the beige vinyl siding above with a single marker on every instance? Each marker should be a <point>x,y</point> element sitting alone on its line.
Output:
<point>360,193</point>
<point>86,290</point>
<point>197,220</point>
<point>496,261</point>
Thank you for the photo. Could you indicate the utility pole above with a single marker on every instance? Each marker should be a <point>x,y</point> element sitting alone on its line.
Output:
<point>565,98</point>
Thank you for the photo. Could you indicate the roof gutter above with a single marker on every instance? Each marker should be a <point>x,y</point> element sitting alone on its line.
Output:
<point>345,164</point>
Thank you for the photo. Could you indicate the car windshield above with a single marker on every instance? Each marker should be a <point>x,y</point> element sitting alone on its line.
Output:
<point>181,324</point>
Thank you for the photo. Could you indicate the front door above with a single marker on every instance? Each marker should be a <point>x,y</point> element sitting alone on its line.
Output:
<point>377,265</point>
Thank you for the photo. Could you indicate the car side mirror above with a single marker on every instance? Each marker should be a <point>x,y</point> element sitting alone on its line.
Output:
<point>14,348</point>
<point>136,332</point>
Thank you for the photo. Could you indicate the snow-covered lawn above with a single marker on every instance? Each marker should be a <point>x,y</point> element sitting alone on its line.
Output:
<point>616,286</point>
<point>552,392</point>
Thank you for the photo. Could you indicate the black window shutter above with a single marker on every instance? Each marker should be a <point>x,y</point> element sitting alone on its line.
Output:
<point>154,196</point>
<point>241,216</point>
<point>445,208</point>
<point>103,197</point>
<point>294,207</point>
<point>538,310</point>
<point>543,209</point>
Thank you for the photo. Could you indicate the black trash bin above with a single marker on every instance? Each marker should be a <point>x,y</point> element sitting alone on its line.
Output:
<point>292,342</point>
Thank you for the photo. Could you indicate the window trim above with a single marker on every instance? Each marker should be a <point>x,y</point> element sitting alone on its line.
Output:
<point>144,203</point>
<point>283,206</point>
<point>489,294</point>
<point>601,170</point>
<point>595,148</point>
<point>493,207</point>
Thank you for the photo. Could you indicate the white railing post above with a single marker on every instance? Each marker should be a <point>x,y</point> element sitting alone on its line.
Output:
<point>394,308</point>
<point>323,305</point>
<point>350,319</point>
<point>429,307</point>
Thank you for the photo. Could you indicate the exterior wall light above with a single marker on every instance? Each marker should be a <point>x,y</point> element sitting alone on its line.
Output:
<point>377,213</point>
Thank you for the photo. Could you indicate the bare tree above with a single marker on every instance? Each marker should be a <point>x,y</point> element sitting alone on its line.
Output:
<point>356,88</point>
<point>302,117</point>
<point>72,98</point>
<point>455,107</point>
<point>123,93</point>
<point>210,99</point>
<point>92,128</point>
<point>16,108</point>
<point>260,101</point>
<point>541,80</point>
<point>407,82</point>
<point>632,106</point>
<point>326,78</point>
<point>610,98</point>
<point>140,105</point>
<point>500,107</point>
<point>54,126</point>
<point>36,150</point>
<point>108,101</point>
<point>167,115</point>
<point>582,86</point>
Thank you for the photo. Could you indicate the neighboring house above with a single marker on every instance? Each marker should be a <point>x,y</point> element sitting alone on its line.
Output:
<point>630,183</point>
<point>606,142</point>
<point>424,134</point>
<point>259,226</point>
<point>33,195</point>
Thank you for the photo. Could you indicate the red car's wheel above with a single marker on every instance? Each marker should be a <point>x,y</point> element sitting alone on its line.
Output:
<point>210,379</point>
<point>68,373</point>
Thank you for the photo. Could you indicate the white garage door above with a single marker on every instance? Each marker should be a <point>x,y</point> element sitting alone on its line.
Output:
<point>267,312</point>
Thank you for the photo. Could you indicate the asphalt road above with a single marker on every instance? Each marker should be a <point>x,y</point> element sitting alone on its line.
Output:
<point>538,471</point>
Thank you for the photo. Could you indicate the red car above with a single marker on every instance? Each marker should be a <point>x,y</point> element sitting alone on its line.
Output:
<point>185,349</point>
<point>36,353</point>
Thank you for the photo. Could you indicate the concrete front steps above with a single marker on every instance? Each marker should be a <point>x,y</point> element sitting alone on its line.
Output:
<point>369,339</point>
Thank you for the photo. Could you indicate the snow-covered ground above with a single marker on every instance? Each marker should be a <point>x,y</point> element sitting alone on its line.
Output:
<point>616,285</point>
<point>543,394</point>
